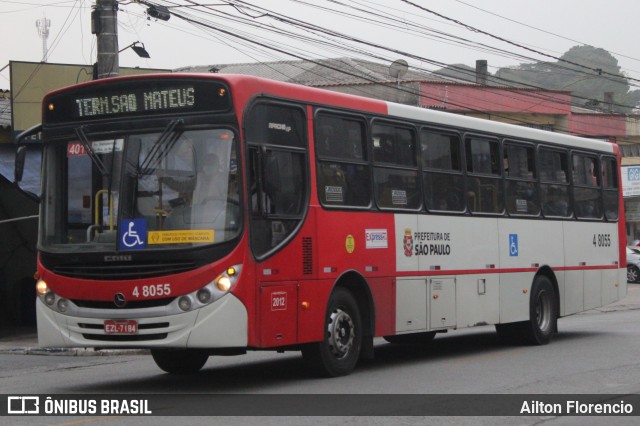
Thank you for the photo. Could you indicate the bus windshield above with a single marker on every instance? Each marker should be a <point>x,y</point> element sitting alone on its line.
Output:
<point>169,189</point>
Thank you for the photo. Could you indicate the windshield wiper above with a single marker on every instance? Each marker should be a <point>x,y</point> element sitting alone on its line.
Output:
<point>161,147</point>
<point>92,154</point>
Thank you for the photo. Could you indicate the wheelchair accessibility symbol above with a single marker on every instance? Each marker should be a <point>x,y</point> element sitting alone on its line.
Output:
<point>133,234</point>
<point>513,244</point>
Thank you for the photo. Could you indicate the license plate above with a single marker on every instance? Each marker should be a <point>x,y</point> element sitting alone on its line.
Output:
<point>121,327</point>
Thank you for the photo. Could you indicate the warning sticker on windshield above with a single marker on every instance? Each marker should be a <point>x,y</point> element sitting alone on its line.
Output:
<point>181,237</point>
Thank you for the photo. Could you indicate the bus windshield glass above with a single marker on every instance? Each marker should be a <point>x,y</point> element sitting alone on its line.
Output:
<point>168,189</point>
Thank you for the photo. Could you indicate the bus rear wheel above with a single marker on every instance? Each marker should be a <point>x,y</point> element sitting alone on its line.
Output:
<point>179,361</point>
<point>543,316</point>
<point>338,353</point>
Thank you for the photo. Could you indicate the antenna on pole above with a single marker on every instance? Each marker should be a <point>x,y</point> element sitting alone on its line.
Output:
<point>43,31</point>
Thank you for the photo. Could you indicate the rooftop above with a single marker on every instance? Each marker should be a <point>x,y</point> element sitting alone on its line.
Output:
<point>5,109</point>
<point>321,72</point>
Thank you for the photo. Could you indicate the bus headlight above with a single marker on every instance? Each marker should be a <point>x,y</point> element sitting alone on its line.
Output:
<point>218,287</point>
<point>41,288</point>
<point>50,298</point>
<point>223,283</point>
<point>227,280</point>
<point>184,303</point>
<point>63,305</point>
<point>204,295</point>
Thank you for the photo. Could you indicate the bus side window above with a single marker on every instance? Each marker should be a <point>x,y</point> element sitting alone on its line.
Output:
<point>396,184</point>
<point>443,182</point>
<point>520,174</point>
<point>484,183</point>
<point>342,167</point>
<point>554,183</point>
<point>586,186</point>
<point>610,187</point>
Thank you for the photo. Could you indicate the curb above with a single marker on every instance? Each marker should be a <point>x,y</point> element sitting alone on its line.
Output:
<point>73,351</point>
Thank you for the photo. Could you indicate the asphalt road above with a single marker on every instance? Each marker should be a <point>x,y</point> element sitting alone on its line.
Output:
<point>594,353</point>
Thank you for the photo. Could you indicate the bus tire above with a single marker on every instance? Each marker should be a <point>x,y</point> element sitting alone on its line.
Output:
<point>543,312</point>
<point>338,353</point>
<point>413,339</point>
<point>543,317</point>
<point>179,361</point>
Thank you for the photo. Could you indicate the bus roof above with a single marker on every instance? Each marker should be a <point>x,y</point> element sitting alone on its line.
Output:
<point>247,87</point>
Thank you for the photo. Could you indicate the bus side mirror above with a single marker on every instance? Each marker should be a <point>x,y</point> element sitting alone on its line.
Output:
<point>21,154</point>
<point>21,151</point>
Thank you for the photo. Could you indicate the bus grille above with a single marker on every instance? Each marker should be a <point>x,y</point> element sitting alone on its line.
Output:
<point>307,255</point>
<point>125,337</point>
<point>124,272</point>
<point>93,304</point>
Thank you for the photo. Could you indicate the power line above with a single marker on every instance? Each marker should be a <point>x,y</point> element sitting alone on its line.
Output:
<point>262,12</point>
<point>237,35</point>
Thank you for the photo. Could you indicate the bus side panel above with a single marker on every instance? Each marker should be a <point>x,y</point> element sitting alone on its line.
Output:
<point>592,257</point>
<point>383,293</point>
<point>525,246</point>
<point>278,313</point>
<point>444,246</point>
<point>473,259</point>
<point>313,297</point>
<point>478,299</point>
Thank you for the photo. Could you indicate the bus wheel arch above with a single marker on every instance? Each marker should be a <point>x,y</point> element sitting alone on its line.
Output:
<point>544,311</point>
<point>348,329</point>
<point>357,285</point>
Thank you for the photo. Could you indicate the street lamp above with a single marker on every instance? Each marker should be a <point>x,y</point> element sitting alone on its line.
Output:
<point>140,50</point>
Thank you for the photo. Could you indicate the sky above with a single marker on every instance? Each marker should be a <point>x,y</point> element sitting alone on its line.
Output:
<point>503,32</point>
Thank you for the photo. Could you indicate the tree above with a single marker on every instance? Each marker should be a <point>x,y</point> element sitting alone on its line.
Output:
<point>588,72</point>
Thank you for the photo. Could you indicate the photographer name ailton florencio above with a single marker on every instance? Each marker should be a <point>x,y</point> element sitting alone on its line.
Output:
<point>575,407</point>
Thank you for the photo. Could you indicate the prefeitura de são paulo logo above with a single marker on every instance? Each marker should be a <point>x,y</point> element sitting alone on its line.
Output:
<point>407,242</point>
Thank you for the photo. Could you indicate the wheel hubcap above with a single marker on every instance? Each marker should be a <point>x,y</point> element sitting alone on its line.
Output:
<point>341,331</point>
<point>543,310</point>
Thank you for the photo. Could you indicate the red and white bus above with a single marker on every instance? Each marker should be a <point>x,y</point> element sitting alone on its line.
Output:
<point>197,215</point>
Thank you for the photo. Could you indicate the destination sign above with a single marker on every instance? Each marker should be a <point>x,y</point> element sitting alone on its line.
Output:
<point>112,99</point>
<point>153,100</point>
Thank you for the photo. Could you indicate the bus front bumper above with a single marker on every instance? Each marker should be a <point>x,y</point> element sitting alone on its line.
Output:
<point>222,324</point>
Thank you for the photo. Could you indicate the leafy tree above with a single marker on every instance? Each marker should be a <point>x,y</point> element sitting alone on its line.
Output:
<point>588,72</point>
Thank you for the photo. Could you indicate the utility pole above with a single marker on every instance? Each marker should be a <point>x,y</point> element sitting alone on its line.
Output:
<point>104,23</point>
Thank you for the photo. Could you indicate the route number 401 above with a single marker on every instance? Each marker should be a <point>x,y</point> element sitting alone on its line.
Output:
<point>155,290</point>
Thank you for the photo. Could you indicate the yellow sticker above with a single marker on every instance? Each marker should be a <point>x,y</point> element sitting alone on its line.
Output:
<point>350,244</point>
<point>181,237</point>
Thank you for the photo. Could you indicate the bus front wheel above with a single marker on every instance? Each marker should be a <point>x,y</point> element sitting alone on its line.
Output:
<point>179,361</point>
<point>338,353</point>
